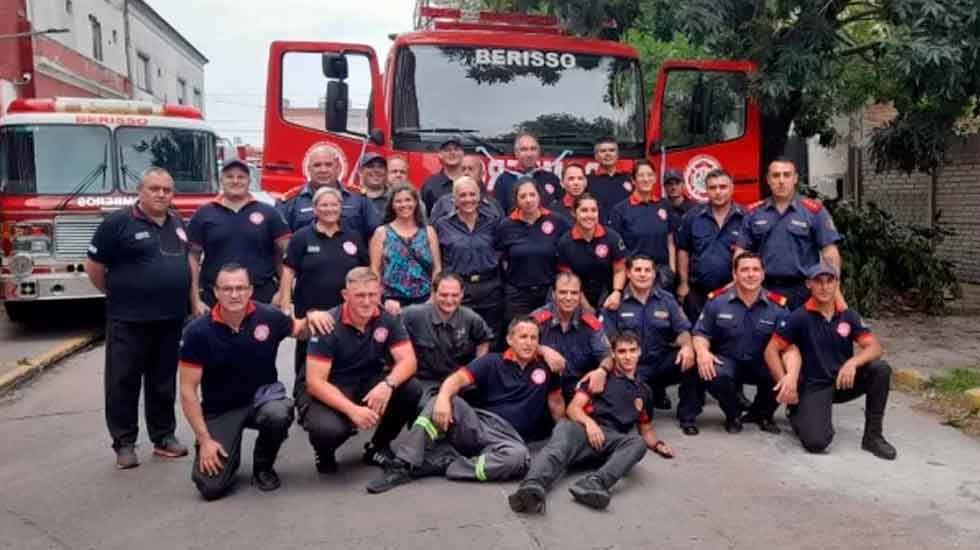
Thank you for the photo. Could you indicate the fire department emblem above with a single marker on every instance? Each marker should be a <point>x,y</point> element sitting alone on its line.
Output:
<point>628,186</point>
<point>547,227</point>
<point>638,403</point>
<point>662,214</point>
<point>549,188</point>
<point>326,145</point>
<point>350,248</point>
<point>844,329</point>
<point>601,250</point>
<point>697,168</point>
<point>380,335</point>
<point>181,234</point>
<point>256,218</point>
<point>538,376</point>
<point>261,333</point>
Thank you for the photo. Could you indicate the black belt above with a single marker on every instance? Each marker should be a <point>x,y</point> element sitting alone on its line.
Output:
<point>482,276</point>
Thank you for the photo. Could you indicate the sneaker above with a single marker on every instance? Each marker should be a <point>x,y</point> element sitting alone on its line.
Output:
<point>377,456</point>
<point>266,480</point>
<point>528,499</point>
<point>325,464</point>
<point>126,457</point>
<point>876,445</point>
<point>591,492</point>
<point>733,425</point>
<point>397,473</point>
<point>690,429</point>
<point>169,447</point>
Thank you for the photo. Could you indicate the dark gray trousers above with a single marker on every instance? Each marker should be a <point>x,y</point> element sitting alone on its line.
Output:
<point>569,446</point>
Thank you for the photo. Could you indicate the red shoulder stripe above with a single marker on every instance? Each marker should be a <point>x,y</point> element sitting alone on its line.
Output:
<point>812,205</point>
<point>754,205</point>
<point>542,316</point>
<point>592,322</point>
<point>293,192</point>
<point>719,291</point>
<point>778,298</point>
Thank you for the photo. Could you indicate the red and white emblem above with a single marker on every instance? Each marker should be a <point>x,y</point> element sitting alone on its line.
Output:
<point>663,214</point>
<point>538,376</point>
<point>380,335</point>
<point>601,250</point>
<point>628,185</point>
<point>547,227</point>
<point>256,217</point>
<point>261,333</point>
<point>549,188</point>
<point>350,248</point>
<point>181,234</point>
<point>844,329</point>
<point>695,171</point>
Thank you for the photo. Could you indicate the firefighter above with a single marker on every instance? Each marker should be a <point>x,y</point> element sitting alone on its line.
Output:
<point>606,183</point>
<point>574,183</point>
<point>471,167</point>
<point>674,193</point>
<point>528,153</point>
<point>441,183</point>
<point>596,254</point>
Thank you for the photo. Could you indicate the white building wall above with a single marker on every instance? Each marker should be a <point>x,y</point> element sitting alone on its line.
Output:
<point>169,60</point>
<point>829,164</point>
<point>53,14</point>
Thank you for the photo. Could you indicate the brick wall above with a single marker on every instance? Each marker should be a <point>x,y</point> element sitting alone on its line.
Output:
<point>956,199</point>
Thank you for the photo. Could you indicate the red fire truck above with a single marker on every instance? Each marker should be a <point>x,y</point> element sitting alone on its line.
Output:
<point>65,163</point>
<point>482,78</point>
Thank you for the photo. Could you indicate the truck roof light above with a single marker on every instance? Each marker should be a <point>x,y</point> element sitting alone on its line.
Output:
<point>429,17</point>
<point>102,106</point>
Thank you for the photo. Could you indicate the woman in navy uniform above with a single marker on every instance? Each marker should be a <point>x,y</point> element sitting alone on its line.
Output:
<point>528,242</point>
<point>405,251</point>
<point>596,254</point>
<point>646,224</point>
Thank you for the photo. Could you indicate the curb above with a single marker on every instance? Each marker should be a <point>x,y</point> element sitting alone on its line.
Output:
<point>27,369</point>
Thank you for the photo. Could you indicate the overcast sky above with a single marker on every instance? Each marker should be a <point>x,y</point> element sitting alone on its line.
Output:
<point>235,37</point>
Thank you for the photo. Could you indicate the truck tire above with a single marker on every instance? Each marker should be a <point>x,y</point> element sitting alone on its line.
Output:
<point>18,312</point>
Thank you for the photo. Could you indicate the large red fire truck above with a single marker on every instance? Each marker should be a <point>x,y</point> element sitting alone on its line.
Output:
<point>482,78</point>
<point>65,163</point>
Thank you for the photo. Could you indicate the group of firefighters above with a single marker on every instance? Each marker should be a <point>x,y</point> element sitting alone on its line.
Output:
<point>462,324</point>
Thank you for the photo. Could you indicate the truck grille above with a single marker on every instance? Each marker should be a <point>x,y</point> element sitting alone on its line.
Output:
<point>72,235</point>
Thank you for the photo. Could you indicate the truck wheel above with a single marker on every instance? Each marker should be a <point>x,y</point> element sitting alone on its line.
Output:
<point>18,312</point>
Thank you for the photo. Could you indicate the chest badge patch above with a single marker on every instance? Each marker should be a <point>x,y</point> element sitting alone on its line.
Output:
<point>261,333</point>
<point>799,223</point>
<point>844,329</point>
<point>313,249</point>
<point>142,235</point>
<point>727,316</point>
<point>549,188</point>
<point>638,403</point>
<point>662,214</point>
<point>350,248</point>
<point>547,227</point>
<point>181,234</point>
<point>538,376</point>
<point>661,314</point>
<point>380,335</point>
<point>628,186</point>
<point>256,218</point>
<point>601,250</point>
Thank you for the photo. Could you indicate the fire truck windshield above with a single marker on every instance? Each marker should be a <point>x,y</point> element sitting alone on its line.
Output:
<point>184,153</point>
<point>54,159</point>
<point>570,99</point>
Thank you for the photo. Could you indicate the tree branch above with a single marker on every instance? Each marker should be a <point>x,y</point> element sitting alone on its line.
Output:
<point>857,50</point>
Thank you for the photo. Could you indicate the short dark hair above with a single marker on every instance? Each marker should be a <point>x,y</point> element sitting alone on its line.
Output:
<point>445,276</point>
<point>567,275</point>
<point>602,140</point>
<point>586,196</point>
<point>625,336</point>
<point>746,255</point>
<point>638,164</point>
<point>639,257</point>
<point>717,173</point>
<point>519,320</point>
<point>232,267</point>
<point>572,165</point>
<point>783,159</point>
<point>521,181</point>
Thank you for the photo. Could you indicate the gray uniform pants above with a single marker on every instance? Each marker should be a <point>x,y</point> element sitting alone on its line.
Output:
<point>479,445</point>
<point>569,446</point>
<point>272,420</point>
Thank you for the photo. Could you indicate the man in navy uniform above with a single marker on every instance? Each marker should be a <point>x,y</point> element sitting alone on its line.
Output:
<point>441,183</point>
<point>609,186</point>
<point>528,153</point>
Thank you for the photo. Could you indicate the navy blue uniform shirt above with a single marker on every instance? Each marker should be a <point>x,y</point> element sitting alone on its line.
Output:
<point>644,227</point>
<point>710,247</point>
<point>445,207</point>
<point>737,331</point>
<point>530,251</point>
<point>357,211</point>
<point>247,237</point>
<point>583,345</point>
<point>468,252</point>
<point>435,187</point>
<point>519,395</point>
<point>548,184</point>
<point>609,190</point>
<point>789,243</point>
<point>148,277</point>
<point>824,345</point>
<point>593,261</point>
<point>622,404</point>
<point>234,364</point>
<point>658,322</point>
<point>358,356</point>
<point>321,264</point>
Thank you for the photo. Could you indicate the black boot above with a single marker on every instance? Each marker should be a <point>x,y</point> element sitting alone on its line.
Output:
<point>874,442</point>
<point>528,499</point>
<point>591,492</point>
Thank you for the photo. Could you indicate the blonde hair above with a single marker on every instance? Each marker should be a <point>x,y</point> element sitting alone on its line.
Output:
<point>327,190</point>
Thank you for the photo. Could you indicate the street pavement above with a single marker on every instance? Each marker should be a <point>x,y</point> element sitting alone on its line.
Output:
<point>50,326</point>
<point>59,489</point>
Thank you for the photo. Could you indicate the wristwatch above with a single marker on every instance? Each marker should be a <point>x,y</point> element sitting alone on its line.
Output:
<point>389,383</point>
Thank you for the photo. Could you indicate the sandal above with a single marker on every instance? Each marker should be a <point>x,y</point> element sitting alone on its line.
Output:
<point>662,449</point>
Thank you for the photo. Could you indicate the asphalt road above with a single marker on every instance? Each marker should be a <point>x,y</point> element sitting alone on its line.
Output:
<point>59,489</point>
<point>53,323</point>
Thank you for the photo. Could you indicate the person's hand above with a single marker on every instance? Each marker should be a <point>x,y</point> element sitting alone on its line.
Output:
<point>786,390</point>
<point>613,300</point>
<point>663,449</point>
<point>211,456</point>
<point>707,362</point>
<point>364,418</point>
<point>442,413</point>
<point>595,435</point>
<point>685,357</point>
<point>200,308</point>
<point>377,399</point>
<point>393,307</point>
<point>845,376</point>
<point>596,380</point>
<point>683,290</point>
<point>554,360</point>
<point>320,322</point>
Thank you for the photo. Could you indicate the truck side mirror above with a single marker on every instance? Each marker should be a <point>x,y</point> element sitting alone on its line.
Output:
<point>335,65</point>
<point>335,108</point>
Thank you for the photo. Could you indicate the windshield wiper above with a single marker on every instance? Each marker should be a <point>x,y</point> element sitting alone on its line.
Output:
<point>471,135</point>
<point>82,185</point>
<point>128,173</point>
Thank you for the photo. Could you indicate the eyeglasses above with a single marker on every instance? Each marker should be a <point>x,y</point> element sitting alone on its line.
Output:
<point>234,289</point>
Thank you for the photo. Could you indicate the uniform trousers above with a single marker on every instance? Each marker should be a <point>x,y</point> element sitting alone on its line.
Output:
<point>664,374</point>
<point>730,375</point>
<point>569,446</point>
<point>486,298</point>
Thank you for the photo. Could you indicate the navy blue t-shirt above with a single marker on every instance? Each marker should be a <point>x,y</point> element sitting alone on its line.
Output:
<point>235,364</point>
<point>593,261</point>
<point>466,252</point>
<point>622,404</point>
<point>357,356</point>
<point>321,264</point>
<point>582,346</point>
<point>548,184</point>
<point>645,227</point>
<point>609,190</point>
<point>824,344</point>
<point>530,251</point>
<point>148,276</point>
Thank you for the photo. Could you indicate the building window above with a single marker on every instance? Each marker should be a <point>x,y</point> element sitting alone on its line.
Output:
<point>181,91</point>
<point>68,7</point>
<point>143,75</point>
<point>96,38</point>
<point>197,99</point>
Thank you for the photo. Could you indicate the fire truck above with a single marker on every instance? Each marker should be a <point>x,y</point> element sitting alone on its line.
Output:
<point>66,163</point>
<point>484,77</point>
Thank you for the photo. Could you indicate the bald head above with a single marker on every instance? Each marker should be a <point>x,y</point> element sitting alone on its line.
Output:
<point>472,166</point>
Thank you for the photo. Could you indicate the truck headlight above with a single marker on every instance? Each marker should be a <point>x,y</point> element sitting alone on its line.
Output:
<point>21,265</point>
